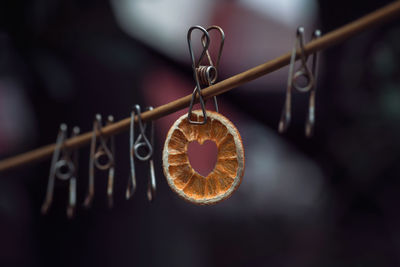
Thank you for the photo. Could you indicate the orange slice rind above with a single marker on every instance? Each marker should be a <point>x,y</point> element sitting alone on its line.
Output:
<point>228,172</point>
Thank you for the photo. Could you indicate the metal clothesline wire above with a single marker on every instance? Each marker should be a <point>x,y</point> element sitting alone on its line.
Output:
<point>379,16</point>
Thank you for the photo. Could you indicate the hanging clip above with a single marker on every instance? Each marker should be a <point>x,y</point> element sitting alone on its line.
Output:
<point>64,166</point>
<point>204,74</point>
<point>294,81</point>
<point>97,157</point>
<point>141,141</point>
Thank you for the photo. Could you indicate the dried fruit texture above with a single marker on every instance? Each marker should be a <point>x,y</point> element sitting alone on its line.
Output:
<point>228,171</point>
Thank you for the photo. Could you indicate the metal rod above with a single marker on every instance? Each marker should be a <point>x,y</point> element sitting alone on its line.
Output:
<point>377,17</point>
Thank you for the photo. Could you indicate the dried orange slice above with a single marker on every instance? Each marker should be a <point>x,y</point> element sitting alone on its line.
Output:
<point>228,171</point>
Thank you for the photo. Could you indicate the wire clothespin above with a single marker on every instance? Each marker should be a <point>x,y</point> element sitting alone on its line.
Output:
<point>64,166</point>
<point>103,151</point>
<point>293,81</point>
<point>141,141</point>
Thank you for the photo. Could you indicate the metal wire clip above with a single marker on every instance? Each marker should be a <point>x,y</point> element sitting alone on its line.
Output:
<point>64,166</point>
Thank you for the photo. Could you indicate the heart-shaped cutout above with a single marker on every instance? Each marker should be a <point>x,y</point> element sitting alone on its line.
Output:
<point>203,157</point>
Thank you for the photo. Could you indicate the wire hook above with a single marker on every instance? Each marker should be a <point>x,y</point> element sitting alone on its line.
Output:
<point>141,141</point>
<point>293,81</point>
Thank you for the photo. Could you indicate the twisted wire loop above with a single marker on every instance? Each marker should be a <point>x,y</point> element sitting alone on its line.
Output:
<point>142,141</point>
<point>64,165</point>
<point>294,78</point>
<point>104,151</point>
<point>207,75</point>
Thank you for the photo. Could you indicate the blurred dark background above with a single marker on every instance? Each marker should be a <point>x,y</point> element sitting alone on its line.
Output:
<point>331,200</point>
